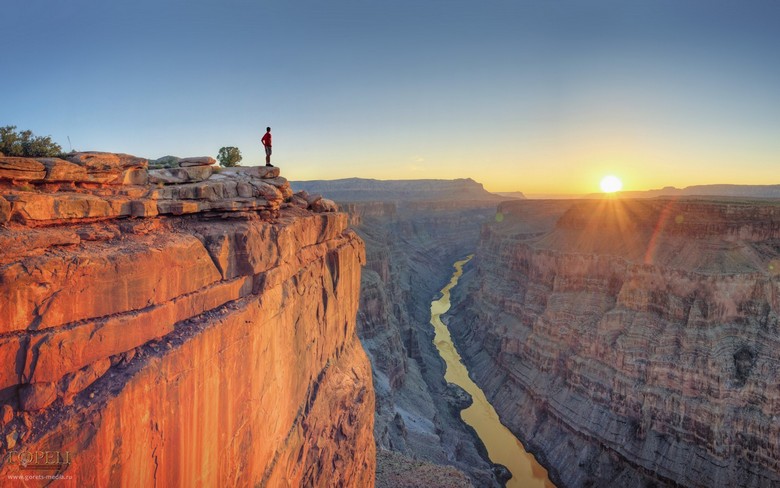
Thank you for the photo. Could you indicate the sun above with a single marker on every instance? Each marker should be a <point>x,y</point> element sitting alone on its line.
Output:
<point>611,184</point>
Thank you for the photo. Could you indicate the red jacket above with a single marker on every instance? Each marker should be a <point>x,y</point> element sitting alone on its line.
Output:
<point>266,140</point>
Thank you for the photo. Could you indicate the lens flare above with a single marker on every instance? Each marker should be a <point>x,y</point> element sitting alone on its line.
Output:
<point>611,184</point>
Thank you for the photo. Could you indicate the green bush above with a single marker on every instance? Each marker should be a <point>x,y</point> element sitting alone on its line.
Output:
<point>229,156</point>
<point>164,162</point>
<point>25,144</point>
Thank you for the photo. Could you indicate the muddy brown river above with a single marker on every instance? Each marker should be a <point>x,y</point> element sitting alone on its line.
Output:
<point>502,446</point>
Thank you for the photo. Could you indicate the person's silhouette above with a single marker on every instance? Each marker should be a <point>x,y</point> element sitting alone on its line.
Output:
<point>266,140</point>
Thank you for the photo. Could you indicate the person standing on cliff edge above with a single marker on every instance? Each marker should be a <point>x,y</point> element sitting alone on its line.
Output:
<point>266,140</point>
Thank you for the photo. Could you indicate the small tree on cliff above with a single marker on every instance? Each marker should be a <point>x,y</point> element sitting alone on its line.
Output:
<point>229,156</point>
<point>25,144</point>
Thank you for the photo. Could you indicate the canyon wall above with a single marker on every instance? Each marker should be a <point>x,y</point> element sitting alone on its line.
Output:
<point>178,326</point>
<point>410,247</point>
<point>631,343</point>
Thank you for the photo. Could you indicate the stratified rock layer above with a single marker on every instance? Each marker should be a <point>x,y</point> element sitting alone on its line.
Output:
<point>182,333</point>
<point>409,250</point>
<point>634,342</point>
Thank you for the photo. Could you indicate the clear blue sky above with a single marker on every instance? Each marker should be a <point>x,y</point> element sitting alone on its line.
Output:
<point>539,96</point>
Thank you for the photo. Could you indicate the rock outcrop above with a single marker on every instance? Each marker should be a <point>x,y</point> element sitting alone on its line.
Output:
<point>632,343</point>
<point>182,326</point>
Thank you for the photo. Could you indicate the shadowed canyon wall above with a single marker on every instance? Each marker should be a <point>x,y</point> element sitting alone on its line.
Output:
<point>632,343</point>
<point>410,248</point>
<point>179,327</point>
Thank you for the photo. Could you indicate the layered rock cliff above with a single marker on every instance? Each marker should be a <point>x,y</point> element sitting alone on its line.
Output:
<point>632,343</point>
<point>409,250</point>
<point>178,327</point>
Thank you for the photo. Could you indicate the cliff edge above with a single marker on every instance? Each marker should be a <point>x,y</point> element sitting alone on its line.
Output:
<point>178,327</point>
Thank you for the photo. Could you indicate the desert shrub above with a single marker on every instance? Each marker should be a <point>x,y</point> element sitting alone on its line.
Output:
<point>164,162</point>
<point>229,156</point>
<point>26,144</point>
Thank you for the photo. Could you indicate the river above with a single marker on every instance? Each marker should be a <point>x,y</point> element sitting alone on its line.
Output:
<point>502,446</point>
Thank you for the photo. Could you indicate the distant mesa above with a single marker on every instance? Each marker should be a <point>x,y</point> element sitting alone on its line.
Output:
<point>365,190</point>
<point>517,195</point>
<point>725,190</point>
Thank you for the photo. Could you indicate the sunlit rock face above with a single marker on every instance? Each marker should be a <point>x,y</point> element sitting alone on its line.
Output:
<point>198,331</point>
<point>632,343</point>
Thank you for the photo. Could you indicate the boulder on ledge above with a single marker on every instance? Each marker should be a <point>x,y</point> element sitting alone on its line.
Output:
<point>60,170</point>
<point>180,175</point>
<point>264,172</point>
<point>103,161</point>
<point>324,205</point>
<point>111,168</point>
<point>37,396</point>
<point>199,161</point>
<point>13,168</point>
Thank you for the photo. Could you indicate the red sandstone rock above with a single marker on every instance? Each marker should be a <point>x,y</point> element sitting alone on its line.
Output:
<point>283,185</point>
<point>98,232</point>
<point>110,168</point>
<point>7,415</point>
<point>143,208</point>
<point>44,207</point>
<point>133,176</point>
<point>103,161</point>
<point>13,168</point>
<point>265,191</point>
<point>324,205</point>
<point>180,175</point>
<point>61,170</point>
<point>63,351</point>
<point>189,348</point>
<point>311,198</point>
<point>10,354</point>
<point>5,210</point>
<point>37,396</point>
<point>192,189</point>
<point>11,438</point>
<point>52,290</point>
<point>17,245</point>
<point>289,422</point>
<point>299,201</point>
<point>79,380</point>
